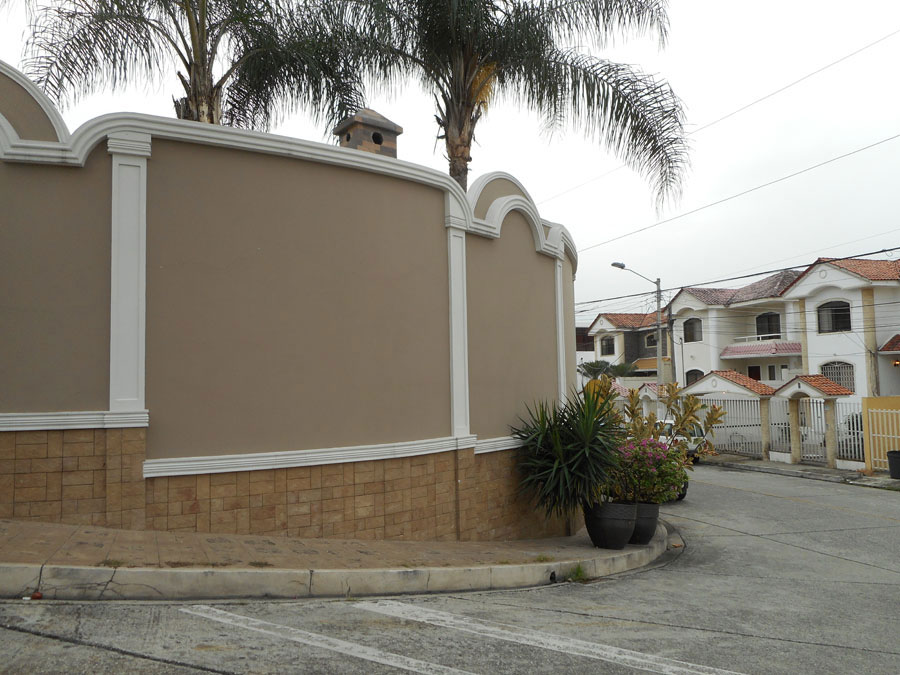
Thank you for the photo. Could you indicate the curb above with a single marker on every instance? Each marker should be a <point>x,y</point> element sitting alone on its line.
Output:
<point>67,582</point>
<point>793,473</point>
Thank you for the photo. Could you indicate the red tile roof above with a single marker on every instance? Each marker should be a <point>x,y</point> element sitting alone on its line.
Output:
<point>892,345</point>
<point>755,386</point>
<point>770,287</point>
<point>762,348</point>
<point>633,320</point>
<point>875,270</point>
<point>823,384</point>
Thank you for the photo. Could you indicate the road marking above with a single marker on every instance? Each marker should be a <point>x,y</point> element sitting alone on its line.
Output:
<point>525,636</point>
<point>321,641</point>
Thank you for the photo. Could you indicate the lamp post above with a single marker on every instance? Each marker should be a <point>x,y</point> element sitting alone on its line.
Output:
<point>621,266</point>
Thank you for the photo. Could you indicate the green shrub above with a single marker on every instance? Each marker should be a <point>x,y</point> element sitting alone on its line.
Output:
<point>568,451</point>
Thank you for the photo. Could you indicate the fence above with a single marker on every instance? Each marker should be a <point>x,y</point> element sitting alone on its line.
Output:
<point>741,431</point>
<point>884,435</point>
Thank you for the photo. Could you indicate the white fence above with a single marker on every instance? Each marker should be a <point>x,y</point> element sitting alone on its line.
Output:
<point>741,431</point>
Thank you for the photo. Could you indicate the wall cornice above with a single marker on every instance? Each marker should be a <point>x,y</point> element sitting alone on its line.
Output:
<point>90,419</point>
<point>255,461</point>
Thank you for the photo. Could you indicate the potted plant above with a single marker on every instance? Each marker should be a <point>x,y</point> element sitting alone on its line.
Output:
<point>656,471</point>
<point>568,452</point>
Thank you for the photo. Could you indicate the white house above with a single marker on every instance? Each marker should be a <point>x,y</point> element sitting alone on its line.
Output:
<point>837,318</point>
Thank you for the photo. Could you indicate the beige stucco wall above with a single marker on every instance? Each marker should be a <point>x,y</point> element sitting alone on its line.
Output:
<point>291,305</point>
<point>512,327</point>
<point>54,285</point>
<point>23,112</point>
<point>499,187</point>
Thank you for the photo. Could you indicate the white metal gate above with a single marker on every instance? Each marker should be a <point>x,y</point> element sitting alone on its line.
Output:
<point>849,430</point>
<point>812,430</point>
<point>740,431</point>
<point>779,425</point>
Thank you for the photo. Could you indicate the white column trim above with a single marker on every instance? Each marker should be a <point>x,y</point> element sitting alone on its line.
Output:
<point>459,332</point>
<point>128,265</point>
<point>560,332</point>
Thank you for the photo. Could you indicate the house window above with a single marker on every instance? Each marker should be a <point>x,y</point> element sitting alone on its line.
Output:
<point>692,376</point>
<point>768,327</point>
<point>650,339</point>
<point>693,330</point>
<point>840,372</point>
<point>607,346</point>
<point>834,317</point>
<point>754,373</point>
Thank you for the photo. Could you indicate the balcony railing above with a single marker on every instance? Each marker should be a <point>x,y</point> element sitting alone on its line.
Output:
<point>757,338</point>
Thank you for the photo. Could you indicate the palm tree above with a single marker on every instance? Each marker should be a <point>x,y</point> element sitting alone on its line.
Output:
<point>80,46</point>
<point>594,369</point>
<point>467,52</point>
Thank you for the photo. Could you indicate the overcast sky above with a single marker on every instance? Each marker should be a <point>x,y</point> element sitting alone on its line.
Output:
<point>721,56</point>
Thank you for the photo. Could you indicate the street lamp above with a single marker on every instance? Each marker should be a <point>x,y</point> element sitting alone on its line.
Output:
<point>621,266</point>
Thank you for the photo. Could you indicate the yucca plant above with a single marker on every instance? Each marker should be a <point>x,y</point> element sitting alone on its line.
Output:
<point>568,452</point>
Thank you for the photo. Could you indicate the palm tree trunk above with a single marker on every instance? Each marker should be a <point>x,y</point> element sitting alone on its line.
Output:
<point>203,102</point>
<point>458,154</point>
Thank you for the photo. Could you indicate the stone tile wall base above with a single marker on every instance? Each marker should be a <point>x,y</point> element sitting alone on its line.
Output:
<point>94,477</point>
<point>76,476</point>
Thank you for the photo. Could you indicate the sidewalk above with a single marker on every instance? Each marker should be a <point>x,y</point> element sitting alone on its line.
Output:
<point>880,480</point>
<point>72,562</point>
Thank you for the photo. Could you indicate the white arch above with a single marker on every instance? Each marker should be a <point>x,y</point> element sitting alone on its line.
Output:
<point>56,120</point>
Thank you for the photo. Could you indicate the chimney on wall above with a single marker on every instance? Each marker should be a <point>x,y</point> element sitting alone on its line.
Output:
<point>369,131</point>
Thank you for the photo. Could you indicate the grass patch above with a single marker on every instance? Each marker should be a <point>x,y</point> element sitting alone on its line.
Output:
<point>544,558</point>
<point>111,562</point>
<point>577,574</point>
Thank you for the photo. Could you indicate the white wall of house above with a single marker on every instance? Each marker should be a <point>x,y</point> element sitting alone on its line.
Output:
<point>824,285</point>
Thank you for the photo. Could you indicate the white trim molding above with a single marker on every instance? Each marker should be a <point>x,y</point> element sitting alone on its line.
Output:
<point>560,332</point>
<point>459,332</point>
<point>497,444</point>
<point>82,419</point>
<point>257,461</point>
<point>128,264</point>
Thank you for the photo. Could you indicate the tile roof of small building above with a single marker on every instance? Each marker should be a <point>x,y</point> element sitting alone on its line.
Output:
<point>892,345</point>
<point>755,386</point>
<point>762,348</point>
<point>823,384</point>
<point>633,320</point>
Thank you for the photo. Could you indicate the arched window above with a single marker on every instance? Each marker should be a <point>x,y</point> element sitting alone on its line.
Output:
<point>768,326</point>
<point>692,376</point>
<point>834,317</point>
<point>693,330</point>
<point>650,339</point>
<point>840,372</point>
<point>607,346</point>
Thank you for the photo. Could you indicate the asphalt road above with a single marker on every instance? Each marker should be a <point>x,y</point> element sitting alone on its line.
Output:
<point>777,575</point>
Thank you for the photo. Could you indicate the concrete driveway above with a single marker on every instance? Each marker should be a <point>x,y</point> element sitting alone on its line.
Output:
<point>776,575</point>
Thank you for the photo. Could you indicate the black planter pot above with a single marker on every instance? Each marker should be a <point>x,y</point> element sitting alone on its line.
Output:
<point>893,458</point>
<point>609,524</point>
<point>645,524</point>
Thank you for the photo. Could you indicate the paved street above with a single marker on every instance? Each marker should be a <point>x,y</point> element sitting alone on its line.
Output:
<point>777,575</point>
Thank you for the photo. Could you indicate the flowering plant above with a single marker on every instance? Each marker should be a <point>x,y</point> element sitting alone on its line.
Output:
<point>653,471</point>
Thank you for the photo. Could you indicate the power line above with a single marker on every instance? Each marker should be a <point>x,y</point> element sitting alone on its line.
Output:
<point>735,112</point>
<point>737,278</point>
<point>745,192</point>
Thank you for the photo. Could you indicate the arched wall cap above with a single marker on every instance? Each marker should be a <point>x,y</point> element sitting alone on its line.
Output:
<point>53,115</point>
<point>482,182</point>
<point>75,150</point>
<point>557,242</point>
